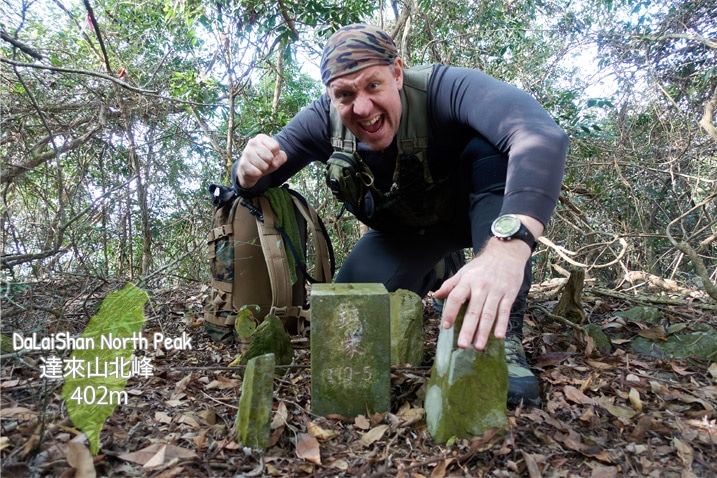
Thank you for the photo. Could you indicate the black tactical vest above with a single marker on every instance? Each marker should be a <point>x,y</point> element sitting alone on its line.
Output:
<point>416,198</point>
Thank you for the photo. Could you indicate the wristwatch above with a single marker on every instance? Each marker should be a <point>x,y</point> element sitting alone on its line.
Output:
<point>509,226</point>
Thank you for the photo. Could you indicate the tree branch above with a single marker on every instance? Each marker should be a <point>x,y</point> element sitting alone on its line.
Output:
<point>706,122</point>
<point>82,72</point>
<point>96,29</point>
<point>10,260</point>
<point>289,21</point>
<point>14,171</point>
<point>21,46</point>
<point>688,36</point>
<point>684,247</point>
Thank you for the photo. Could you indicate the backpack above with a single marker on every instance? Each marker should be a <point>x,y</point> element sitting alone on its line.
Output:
<point>257,252</point>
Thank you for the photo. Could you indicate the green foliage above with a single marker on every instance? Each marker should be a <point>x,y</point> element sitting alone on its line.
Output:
<point>127,196</point>
<point>245,323</point>
<point>91,399</point>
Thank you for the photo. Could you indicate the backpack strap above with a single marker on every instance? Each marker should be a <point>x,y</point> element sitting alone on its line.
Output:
<point>325,264</point>
<point>342,139</point>
<point>413,130</point>
<point>277,263</point>
<point>220,310</point>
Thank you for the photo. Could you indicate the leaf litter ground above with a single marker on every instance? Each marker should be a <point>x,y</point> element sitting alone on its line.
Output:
<point>604,414</point>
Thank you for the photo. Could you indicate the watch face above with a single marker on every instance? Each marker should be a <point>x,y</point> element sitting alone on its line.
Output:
<point>506,226</point>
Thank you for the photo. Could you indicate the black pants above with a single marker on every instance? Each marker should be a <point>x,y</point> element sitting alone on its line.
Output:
<point>406,260</point>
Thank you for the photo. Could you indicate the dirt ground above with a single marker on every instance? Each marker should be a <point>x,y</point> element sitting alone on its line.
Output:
<point>604,414</point>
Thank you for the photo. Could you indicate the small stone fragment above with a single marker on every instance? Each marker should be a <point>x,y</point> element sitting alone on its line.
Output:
<point>270,337</point>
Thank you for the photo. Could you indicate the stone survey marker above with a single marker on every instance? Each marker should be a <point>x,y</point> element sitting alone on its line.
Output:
<point>350,349</point>
<point>253,422</point>
<point>468,389</point>
<point>407,336</point>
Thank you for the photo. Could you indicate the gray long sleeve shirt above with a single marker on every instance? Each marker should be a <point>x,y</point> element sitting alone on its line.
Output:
<point>462,104</point>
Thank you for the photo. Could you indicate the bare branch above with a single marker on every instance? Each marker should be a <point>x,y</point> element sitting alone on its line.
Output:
<point>21,46</point>
<point>684,247</point>
<point>16,170</point>
<point>706,122</point>
<point>81,72</point>
<point>689,36</point>
<point>96,29</point>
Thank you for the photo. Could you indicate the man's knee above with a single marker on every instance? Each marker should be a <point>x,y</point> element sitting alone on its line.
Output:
<point>488,166</point>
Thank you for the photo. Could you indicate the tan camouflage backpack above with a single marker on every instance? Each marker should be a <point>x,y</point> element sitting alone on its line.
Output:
<point>258,251</point>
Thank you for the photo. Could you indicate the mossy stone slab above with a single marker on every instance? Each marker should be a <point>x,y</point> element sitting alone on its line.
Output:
<point>350,349</point>
<point>698,345</point>
<point>642,314</point>
<point>253,421</point>
<point>468,390</point>
<point>407,336</point>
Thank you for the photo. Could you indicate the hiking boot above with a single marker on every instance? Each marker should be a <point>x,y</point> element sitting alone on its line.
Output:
<point>522,384</point>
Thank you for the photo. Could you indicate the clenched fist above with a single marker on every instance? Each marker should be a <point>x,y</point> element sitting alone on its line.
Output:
<point>261,156</point>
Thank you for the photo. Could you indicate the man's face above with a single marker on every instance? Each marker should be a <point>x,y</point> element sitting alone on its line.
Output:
<point>369,104</point>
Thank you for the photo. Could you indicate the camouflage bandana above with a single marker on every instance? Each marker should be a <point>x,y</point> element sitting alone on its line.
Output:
<point>353,48</point>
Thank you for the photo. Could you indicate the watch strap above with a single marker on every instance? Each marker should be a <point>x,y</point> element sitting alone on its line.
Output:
<point>523,234</point>
<point>526,236</point>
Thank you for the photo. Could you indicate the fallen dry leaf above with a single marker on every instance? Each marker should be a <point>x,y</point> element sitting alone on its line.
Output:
<point>408,416</point>
<point>655,333</point>
<point>373,435</point>
<point>307,448</point>
<point>181,386</point>
<point>713,370</point>
<point>635,400</point>
<point>189,419</point>
<point>532,465</point>
<point>80,458</point>
<point>440,470</point>
<point>687,398</point>
<point>600,365</point>
<point>157,459</point>
<point>281,416</point>
<point>576,396</point>
<point>21,413</point>
<point>222,383</point>
<point>605,472</point>
<point>201,440</point>
<point>208,416</point>
<point>142,456</point>
<point>319,433</point>
<point>643,426</point>
<point>684,451</point>
<point>680,370</point>
<point>362,423</point>
<point>162,417</point>
<point>616,410</point>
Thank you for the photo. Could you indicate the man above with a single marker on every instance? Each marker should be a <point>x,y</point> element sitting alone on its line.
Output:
<point>487,175</point>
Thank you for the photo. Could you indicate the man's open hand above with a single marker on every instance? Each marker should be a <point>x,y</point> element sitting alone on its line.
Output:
<point>489,285</point>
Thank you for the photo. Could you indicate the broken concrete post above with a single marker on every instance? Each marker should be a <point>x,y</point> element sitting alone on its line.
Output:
<point>570,303</point>
<point>468,389</point>
<point>253,421</point>
<point>407,336</point>
<point>350,349</point>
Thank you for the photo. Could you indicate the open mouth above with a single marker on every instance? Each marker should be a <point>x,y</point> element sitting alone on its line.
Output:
<point>373,125</point>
